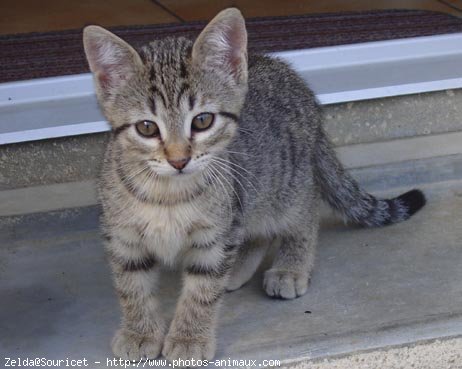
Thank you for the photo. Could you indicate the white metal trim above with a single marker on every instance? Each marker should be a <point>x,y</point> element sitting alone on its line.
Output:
<point>388,91</point>
<point>347,63</point>
<point>45,89</point>
<point>54,132</point>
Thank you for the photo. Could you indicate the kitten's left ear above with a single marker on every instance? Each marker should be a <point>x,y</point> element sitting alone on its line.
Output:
<point>111,59</point>
<point>222,45</point>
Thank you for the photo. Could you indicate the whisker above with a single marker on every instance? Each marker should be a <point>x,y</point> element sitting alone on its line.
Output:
<point>214,173</point>
<point>237,166</point>
<point>128,180</point>
<point>236,179</point>
<point>239,153</point>
<point>240,174</point>
<point>227,168</point>
<point>224,166</point>
<point>246,130</point>
<point>232,187</point>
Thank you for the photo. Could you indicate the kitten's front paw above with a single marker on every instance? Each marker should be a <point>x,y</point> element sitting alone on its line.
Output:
<point>129,345</point>
<point>285,284</point>
<point>178,348</point>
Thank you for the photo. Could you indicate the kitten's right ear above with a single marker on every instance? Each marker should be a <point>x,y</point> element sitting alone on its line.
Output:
<point>111,60</point>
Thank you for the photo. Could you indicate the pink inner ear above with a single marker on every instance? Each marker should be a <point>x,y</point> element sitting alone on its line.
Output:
<point>235,43</point>
<point>110,66</point>
<point>236,40</point>
<point>104,80</point>
<point>110,74</point>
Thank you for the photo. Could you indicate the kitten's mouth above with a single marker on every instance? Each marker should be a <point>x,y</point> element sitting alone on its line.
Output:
<point>167,173</point>
<point>186,172</point>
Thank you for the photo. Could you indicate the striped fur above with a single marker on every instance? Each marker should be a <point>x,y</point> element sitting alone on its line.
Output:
<point>255,177</point>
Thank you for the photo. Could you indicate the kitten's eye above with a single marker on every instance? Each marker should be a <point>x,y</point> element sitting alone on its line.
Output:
<point>202,121</point>
<point>147,128</point>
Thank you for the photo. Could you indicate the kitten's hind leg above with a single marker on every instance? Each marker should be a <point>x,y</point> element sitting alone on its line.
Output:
<point>248,261</point>
<point>290,272</point>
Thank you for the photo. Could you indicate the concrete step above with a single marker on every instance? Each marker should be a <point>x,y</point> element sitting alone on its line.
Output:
<point>377,166</point>
<point>371,288</point>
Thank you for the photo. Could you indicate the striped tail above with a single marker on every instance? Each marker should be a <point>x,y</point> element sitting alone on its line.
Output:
<point>345,195</point>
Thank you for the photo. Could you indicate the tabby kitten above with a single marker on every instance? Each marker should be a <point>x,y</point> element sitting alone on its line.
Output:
<point>214,156</point>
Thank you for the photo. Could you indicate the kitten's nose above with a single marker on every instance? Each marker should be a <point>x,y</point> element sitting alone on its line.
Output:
<point>179,163</point>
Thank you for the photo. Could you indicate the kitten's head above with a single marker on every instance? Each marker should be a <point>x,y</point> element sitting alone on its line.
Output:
<point>173,105</point>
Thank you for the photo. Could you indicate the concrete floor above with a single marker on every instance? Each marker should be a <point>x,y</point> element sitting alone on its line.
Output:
<point>371,288</point>
<point>439,354</point>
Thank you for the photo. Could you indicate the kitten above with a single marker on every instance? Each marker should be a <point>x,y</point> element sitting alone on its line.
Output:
<point>213,157</point>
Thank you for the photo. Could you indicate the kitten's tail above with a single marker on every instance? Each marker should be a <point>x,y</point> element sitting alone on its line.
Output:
<point>345,195</point>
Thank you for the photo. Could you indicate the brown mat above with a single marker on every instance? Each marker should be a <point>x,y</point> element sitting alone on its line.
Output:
<point>35,55</point>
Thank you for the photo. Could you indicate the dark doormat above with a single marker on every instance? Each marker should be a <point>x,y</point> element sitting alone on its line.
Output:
<point>37,55</point>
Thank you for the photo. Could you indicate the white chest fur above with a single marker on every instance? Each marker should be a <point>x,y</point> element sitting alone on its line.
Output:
<point>169,230</point>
